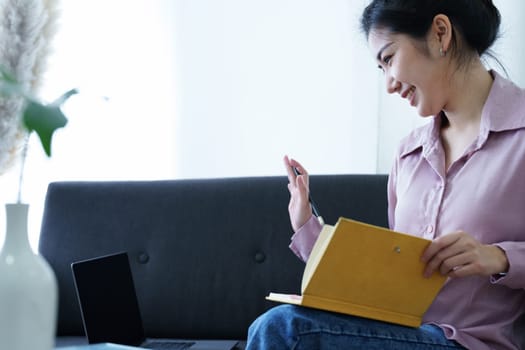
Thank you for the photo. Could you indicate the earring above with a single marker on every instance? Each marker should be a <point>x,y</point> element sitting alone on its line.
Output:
<point>442,52</point>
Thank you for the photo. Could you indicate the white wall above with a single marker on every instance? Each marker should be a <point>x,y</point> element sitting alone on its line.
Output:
<point>510,48</point>
<point>261,79</point>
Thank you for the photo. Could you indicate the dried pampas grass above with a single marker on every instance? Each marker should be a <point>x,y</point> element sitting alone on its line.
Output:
<point>26,30</point>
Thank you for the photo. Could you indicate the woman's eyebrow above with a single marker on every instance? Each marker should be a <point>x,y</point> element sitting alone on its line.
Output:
<point>383,49</point>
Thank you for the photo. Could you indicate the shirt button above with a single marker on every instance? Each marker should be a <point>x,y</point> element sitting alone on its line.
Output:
<point>430,229</point>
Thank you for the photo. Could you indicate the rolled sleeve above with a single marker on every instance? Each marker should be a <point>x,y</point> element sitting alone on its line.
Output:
<point>304,239</point>
<point>515,277</point>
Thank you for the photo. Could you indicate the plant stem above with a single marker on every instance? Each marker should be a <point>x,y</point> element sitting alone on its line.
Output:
<point>22,165</point>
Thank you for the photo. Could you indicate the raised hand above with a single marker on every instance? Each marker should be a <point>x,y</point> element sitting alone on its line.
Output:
<point>299,207</point>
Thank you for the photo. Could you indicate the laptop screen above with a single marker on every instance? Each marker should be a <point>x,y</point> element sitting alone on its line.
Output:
<point>108,301</point>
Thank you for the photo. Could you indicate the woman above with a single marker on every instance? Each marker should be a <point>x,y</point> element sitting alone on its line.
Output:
<point>459,181</point>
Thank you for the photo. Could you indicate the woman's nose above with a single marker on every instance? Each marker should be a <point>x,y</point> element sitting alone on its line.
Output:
<point>392,85</point>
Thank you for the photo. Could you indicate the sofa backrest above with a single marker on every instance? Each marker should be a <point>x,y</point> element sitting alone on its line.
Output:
<point>204,253</point>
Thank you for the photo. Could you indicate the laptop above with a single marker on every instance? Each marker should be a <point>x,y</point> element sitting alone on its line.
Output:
<point>110,310</point>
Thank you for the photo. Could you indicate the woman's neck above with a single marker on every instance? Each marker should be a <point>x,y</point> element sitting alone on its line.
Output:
<point>469,92</point>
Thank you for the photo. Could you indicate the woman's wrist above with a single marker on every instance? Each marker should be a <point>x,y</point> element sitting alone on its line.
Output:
<point>503,261</point>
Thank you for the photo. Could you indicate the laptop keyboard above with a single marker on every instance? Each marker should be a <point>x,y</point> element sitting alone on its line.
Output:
<point>169,345</point>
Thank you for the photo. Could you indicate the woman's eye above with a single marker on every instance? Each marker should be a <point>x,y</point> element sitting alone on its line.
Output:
<point>387,59</point>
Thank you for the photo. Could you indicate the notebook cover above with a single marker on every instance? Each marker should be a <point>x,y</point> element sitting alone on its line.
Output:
<point>368,271</point>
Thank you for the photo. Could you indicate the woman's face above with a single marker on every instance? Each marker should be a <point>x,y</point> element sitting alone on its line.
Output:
<point>416,73</point>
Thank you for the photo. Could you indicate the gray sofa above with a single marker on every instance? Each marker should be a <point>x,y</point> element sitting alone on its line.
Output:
<point>204,253</point>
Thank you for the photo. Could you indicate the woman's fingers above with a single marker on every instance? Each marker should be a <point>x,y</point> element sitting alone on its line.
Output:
<point>459,254</point>
<point>289,165</point>
<point>440,250</point>
<point>289,171</point>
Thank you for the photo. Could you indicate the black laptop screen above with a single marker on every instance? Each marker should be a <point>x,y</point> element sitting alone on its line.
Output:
<point>108,300</point>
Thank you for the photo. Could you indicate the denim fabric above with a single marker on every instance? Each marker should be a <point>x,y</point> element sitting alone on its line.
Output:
<point>294,327</point>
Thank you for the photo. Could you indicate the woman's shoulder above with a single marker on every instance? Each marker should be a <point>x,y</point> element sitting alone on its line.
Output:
<point>505,106</point>
<point>504,90</point>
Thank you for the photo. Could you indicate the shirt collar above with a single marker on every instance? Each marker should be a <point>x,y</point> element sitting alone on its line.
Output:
<point>503,110</point>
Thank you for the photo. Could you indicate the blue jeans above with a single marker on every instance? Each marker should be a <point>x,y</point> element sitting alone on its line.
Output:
<point>295,327</point>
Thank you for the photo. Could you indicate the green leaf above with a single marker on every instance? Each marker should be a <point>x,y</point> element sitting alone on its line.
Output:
<point>41,118</point>
<point>9,85</point>
<point>44,120</point>
<point>59,101</point>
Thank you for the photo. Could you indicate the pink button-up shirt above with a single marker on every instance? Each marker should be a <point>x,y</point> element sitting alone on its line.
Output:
<point>483,194</point>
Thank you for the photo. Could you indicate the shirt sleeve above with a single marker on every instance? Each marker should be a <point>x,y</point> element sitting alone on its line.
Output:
<point>515,277</point>
<point>304,239</point>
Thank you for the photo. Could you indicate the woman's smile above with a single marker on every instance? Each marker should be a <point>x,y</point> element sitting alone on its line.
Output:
<point>409,94</point>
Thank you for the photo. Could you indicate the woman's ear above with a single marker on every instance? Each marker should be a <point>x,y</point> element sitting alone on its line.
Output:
<point>441,32</point>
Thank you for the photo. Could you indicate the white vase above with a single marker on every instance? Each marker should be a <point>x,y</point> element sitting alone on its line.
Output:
<point>28,289</point>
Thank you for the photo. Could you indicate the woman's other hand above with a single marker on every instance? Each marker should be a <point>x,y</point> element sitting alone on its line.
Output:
<point>299,207</point>
<point>458,255</point>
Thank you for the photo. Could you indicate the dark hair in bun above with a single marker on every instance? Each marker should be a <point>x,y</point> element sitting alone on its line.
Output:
<point>476,21</point>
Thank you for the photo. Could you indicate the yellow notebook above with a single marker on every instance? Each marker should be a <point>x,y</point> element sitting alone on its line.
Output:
<point>367,271</point>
